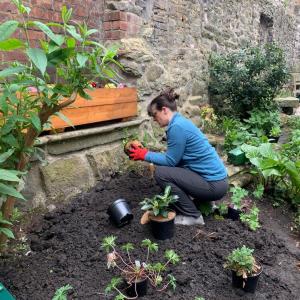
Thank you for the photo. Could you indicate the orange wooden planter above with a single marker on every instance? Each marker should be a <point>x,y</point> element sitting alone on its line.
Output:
<point>106,104</point>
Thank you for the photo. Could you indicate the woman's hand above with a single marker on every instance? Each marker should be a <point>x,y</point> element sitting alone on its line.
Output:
<point>138,153</point>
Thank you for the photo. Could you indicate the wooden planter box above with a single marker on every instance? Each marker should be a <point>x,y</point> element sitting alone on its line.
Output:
<point>106,104</point>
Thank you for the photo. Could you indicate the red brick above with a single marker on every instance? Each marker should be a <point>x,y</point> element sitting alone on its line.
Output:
<point>108,35</point>
<point>117,34</point>
<point>36,35</point>
<point>122,25</point>
<point>133,29</point>
<point>107,25</point>
<point>7,6</point>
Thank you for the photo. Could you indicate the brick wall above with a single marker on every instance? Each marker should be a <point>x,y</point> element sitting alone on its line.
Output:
<point>92,11</point>
<point>112,25</point>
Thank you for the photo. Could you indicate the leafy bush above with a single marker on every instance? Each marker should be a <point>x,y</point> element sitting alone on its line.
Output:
<point>247,79</point>
<point>272,168</point>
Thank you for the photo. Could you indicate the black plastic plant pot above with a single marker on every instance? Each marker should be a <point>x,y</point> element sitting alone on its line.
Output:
<point>233,214</point>
<point>138,288</point>
<point>120,212</point>
<point>162,229</point>
<point>248,284</point>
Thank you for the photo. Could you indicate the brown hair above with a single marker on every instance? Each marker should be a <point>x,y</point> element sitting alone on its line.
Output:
<point>166,98</point>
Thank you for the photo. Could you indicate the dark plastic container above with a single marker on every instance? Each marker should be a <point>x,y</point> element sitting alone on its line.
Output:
<point>137,289</point>
<point>120,212</point>
<point>233,214</point>
<point>163,230</point>
<point>237,157</point>
<point>248,284</point>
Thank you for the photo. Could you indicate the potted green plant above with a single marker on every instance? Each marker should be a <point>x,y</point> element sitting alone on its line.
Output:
<point>136,273</point>
<point>160,214</point>
<point>238,203</point>
<point>275,134</point>
<point>251,218</point>
<point>245,269</point>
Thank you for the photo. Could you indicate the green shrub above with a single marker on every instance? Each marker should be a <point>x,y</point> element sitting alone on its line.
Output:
<point>247,79</point>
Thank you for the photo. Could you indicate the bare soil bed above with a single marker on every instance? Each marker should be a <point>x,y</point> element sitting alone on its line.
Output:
<point>65,249</point>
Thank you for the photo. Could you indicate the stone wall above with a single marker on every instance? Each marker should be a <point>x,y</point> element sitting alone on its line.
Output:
<point>177,38</point>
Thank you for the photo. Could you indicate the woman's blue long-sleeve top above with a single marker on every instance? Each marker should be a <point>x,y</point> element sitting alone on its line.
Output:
<point>189,148</point>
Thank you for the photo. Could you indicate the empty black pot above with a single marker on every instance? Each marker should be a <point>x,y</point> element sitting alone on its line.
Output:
<point>120,213</point>
<point>162,230</point>
<point>233,214</point>
<point>137,289</point>
<point>248,284</point>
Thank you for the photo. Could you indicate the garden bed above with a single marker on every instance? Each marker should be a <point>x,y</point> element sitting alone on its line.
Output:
<point>66,249</point>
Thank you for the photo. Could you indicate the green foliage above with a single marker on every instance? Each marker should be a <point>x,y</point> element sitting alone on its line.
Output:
<point>259,191</point>
<point>60,67</point>
<point>6,231</point>
<point>199,298</point>
<point>152,247</point>
<point>273,168</point>
<point>241,261</point>
<point>133,271</point>
<point>159,204</point>
<point>238,194</point>
<point>206,208</point>
<point>223,209</point>
<point>251,218</point>
<point>264,123</point>
<point>108,243</point>
<point>61,293</point>
<point>247,79</point>
<point>291,149</point>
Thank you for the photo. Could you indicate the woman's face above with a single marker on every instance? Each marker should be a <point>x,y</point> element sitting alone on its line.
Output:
<point>162,117</point>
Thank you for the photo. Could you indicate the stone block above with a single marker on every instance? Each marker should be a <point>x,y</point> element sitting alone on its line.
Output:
<point>66,177</point>
<point>288,102</point>
<point>107,161</point>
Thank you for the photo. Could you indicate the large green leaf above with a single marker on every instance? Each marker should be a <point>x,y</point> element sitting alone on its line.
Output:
<point>9,190</point>
<point>58,56</point>
<point>11,44</point>
<point>4,156</point>
<point>56,38</point>
<point>36,122</point>
<point>72,30</point>
<point>7,29</point>
<point>7,232</point>
<point>81,59</point>
<point>64,118</point>
<point>11,71</point>
<point>266,150</point>
<point>8,175</point>
<point>38,57</point>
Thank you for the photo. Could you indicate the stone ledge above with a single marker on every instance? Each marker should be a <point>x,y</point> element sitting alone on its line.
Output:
<point>288,102</point>
<point>86,138</point>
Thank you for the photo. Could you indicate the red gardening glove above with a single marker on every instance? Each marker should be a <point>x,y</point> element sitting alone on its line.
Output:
<point>138,153</point>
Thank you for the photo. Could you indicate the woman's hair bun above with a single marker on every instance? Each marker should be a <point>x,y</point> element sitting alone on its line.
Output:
<point>170,94</point>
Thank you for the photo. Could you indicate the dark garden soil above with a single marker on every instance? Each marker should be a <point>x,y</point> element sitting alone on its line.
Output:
<point>65,249</point>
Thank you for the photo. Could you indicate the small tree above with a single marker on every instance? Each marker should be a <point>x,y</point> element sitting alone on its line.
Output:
<point>247,79</point>
<point>62,66</point>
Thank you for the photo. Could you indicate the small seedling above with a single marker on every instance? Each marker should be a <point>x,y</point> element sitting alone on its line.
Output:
<point>251,218</point>
<point>238,194</point>
<point>61,293</point>
<point>259,191</point>
<point>133,271</point>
